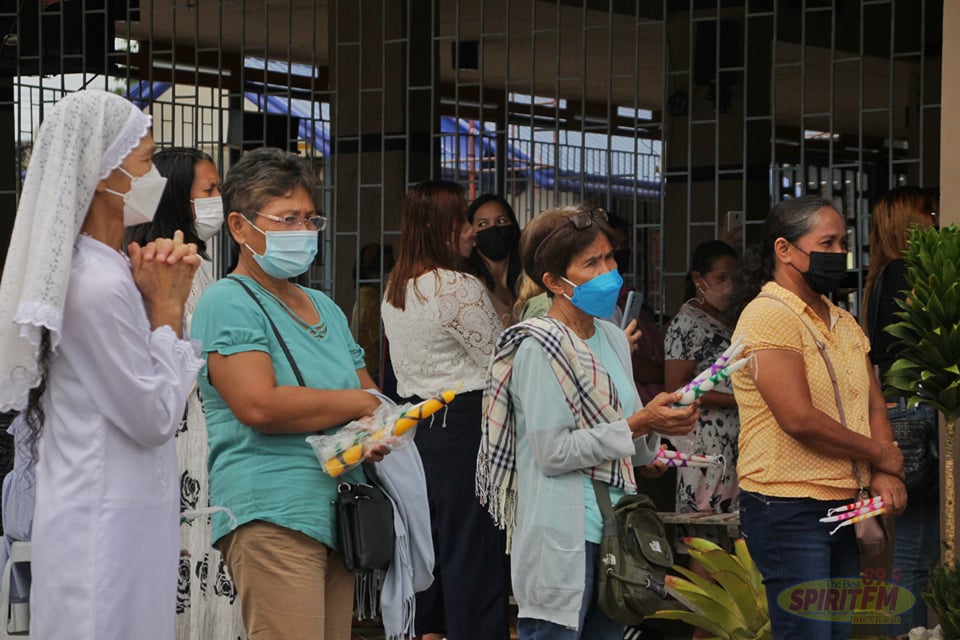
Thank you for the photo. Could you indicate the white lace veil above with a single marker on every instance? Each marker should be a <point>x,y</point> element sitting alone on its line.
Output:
<point>83,137</point>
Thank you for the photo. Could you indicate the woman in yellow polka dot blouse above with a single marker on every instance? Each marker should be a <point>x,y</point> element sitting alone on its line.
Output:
<point>795,453</point>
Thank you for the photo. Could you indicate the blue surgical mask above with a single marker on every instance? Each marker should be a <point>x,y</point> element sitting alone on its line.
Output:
<point>597,296</point>
<point>288,253</point>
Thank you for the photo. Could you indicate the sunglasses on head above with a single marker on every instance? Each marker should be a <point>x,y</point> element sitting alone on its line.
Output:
<point>583,218</point>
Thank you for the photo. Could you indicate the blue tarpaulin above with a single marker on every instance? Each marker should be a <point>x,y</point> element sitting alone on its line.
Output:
<point>466,148</point>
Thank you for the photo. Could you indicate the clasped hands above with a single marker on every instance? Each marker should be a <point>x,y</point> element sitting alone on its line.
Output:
<point>163,269</point>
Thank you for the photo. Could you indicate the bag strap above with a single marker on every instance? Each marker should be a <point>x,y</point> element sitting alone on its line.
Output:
<point>602,489</point>
<point>276,332</point>
<point>822,348</point>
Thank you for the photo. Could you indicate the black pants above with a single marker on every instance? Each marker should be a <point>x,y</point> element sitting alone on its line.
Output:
<point>468,597</point>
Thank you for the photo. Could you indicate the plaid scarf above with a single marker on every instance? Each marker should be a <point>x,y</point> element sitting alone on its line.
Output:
<point>589,393</point>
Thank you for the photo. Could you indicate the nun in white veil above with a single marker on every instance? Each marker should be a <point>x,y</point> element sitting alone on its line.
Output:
<point>94,354</point>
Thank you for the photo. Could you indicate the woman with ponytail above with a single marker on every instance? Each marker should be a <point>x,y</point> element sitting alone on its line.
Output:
<point>800,453</point>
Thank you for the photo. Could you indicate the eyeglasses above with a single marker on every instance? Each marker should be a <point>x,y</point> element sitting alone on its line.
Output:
<point>582,219</point>
<point>292,221</point>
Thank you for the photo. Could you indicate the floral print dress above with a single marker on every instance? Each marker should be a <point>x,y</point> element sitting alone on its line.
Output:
<point>695,335</point>
<point>207,603</point>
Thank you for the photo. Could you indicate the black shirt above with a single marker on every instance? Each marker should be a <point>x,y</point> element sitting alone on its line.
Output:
<point>893,281</point>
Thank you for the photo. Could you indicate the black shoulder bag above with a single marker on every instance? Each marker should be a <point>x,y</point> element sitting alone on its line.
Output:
<point>364,512</point>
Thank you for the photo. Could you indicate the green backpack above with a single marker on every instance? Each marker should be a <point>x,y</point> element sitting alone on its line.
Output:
<point>634,557</point>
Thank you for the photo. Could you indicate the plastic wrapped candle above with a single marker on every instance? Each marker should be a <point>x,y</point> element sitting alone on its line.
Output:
<point>353,455</point>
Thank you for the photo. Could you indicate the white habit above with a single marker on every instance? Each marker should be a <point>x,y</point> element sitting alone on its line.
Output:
<point>106,536</point>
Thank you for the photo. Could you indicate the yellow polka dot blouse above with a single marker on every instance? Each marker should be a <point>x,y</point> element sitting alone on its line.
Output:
<point>771,462</point>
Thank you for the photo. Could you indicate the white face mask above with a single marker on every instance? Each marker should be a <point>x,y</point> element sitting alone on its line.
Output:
<point>140,202</point>
<point>209,219</point>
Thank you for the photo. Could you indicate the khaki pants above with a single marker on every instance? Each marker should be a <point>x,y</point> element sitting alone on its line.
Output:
<point>290,585</point>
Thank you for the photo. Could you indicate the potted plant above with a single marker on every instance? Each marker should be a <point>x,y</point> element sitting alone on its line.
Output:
<point>733,605</point>
<point>929,331</point>
<point>927,371</point>
<point>943,596</point>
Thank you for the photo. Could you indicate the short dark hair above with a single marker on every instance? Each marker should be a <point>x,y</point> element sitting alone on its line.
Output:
<point>542,253</point>
<point>178,165</point>
<point>262,175</point>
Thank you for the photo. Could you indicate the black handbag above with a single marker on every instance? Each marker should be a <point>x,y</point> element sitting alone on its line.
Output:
<point>365,527</point>
<point>920,458</point>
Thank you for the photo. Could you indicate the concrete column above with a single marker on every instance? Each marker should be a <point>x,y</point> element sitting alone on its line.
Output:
<point>949,125</point>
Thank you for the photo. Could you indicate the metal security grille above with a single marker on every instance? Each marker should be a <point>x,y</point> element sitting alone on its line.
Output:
<point>769,100</point>
<point>688,118</point>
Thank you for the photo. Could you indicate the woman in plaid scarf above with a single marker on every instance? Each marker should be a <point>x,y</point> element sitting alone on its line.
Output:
<point>560,411</point>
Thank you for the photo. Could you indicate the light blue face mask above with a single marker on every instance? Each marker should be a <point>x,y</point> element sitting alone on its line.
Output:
<point>288,253</point>
<point>597,296</point>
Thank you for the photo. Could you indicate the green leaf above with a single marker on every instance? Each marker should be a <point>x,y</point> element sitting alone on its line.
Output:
<point>745,597</point>
<point>715,593</point>
<point>691,618</point>
<point>743,555</point>
<point>902,364</point>
<point>719,560</point>
<point>904,330</point>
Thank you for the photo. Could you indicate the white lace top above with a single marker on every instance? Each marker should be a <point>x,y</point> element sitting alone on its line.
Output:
<point>444,337</point>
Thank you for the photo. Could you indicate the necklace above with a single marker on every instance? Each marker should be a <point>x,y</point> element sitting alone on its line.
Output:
<point>318,331</point>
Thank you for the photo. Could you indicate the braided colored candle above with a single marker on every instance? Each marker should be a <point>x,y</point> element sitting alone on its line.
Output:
<point>679,459</point>
<point>731,352</point>
<point>846,515</point>
<point>856,505</point>
<point>690,396</point>
<point>339,464</point>
<point>871,514</point>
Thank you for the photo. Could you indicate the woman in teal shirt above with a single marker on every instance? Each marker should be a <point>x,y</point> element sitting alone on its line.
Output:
<point>260,402</point>
<point>562,411</point>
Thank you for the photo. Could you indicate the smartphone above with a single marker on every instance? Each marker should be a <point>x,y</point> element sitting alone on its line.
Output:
<point>632,308</point>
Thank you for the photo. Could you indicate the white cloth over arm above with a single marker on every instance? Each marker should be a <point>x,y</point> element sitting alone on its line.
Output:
<point>105,539</point>
<point>19,494</point>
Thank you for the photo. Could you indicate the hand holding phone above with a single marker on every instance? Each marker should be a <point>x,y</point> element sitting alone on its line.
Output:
<point>632,308</point>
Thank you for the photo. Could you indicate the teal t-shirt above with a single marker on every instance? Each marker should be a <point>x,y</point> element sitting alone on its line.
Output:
<point>604,352</point>
<point>258,476</point>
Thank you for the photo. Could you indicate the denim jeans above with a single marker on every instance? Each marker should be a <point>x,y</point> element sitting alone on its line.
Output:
<point>790,545</point>
<point>594,623</point>
<point>916,535</point>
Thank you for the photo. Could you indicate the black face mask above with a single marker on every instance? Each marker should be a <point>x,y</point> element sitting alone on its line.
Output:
<point>826,270</point>
<point>496,243</point>
<point>623,260</point>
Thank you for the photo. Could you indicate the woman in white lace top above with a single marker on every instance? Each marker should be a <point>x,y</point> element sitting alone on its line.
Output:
<point>442,328</point>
